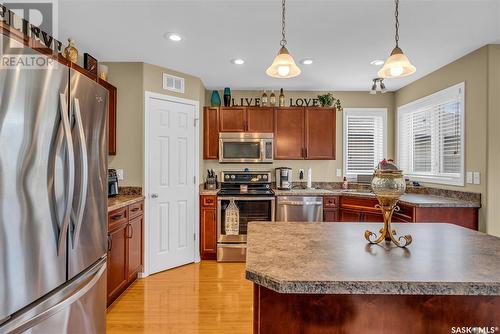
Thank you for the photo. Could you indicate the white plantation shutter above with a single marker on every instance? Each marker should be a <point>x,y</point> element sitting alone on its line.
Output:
<point>431,137</point>
<point>364,140</point>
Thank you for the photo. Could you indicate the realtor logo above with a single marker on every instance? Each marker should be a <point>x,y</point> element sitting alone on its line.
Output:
<point>36,20</point>
<point>474,330</point>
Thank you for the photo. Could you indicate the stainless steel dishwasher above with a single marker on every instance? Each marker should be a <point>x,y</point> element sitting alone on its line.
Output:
<point>299,208</point>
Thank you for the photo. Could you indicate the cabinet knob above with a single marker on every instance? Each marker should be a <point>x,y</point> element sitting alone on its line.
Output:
<point>154,195</point>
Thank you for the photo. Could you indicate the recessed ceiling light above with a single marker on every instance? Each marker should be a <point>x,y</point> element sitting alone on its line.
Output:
<point>307,61</point>
<point>238,61</point>
<point>174,37</point>
<point>377,62</point>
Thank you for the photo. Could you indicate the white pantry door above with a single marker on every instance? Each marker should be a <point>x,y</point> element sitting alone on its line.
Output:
<point>171,183</point>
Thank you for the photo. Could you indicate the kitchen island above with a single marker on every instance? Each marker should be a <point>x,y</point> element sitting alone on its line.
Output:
<point>325,278</point>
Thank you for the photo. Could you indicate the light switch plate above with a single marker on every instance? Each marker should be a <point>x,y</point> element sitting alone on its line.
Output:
<point>469,178</point>
<point>477,178</point>
<point>119,174</point>
<point>339,172</point>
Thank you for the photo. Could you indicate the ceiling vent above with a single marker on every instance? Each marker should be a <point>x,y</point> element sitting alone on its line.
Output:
<point>173,83</point>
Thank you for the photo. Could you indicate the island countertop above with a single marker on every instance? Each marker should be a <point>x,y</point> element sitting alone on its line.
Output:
<point>334,258</point>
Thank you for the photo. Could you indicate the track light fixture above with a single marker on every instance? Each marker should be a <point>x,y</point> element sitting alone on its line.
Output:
<point>378,86</point>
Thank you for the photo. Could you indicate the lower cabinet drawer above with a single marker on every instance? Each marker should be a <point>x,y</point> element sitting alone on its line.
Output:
<point>136,209</point>
<point>117,217</point>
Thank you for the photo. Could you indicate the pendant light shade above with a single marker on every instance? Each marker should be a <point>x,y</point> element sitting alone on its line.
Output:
<point>283,66</point>
<point>397,65</point>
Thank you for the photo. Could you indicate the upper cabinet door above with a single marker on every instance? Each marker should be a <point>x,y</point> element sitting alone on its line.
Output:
<point>289,133</point>
<point>112,101</point>
<point>232,119</point>
<point>210,133</point>
<point>320,129</point>
<point>260,120</point>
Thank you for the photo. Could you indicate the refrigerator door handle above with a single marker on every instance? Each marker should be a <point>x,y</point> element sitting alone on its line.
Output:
<point>77,216</point>
<point>63,232</point>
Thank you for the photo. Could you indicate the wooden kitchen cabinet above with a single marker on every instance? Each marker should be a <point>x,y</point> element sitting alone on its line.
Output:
<point>330,208</point>
<point>362,209</point>
<point>135,247</point>
<point>348,216</point>
<point>208,227</point>
<point>289,133</point>
<point>320,132</point>
<point>112,99</point>
<point>260,119</point>
<point>125,248</point>
<point>117,262</point>
<point>210,133</point>
<point>232,119</point>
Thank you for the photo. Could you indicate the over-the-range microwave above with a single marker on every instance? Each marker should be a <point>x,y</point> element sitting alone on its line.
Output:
<point>244,147</point>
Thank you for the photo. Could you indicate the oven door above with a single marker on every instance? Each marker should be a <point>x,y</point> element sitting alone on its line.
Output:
<point>250,209</point>
<point>239,150</point>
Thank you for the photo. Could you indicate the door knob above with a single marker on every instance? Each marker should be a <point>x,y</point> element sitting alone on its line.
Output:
<point>154,195</point>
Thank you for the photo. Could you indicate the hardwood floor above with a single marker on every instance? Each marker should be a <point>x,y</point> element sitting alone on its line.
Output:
<point>206,297</point>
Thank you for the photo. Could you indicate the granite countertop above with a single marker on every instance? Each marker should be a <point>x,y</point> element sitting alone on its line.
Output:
<point>120,201</point>
<point>334,258</point>
<point>418,200</point>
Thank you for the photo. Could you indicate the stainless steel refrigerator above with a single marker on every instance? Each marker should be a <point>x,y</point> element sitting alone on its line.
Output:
<point>53,200</point>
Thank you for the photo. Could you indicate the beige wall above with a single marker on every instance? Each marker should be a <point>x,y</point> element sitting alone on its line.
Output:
<point>473,70</point>
<point>493,152</point>
<point>321,170</point>
<point>132,81</point>
<point>128,79</point>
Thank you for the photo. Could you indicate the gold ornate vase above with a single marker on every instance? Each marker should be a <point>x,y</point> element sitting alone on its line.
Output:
<point>388,185</point>
<point>70,52</point>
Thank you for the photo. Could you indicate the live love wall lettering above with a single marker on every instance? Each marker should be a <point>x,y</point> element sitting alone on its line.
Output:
<point>255,102</point>
<point>29,30</point>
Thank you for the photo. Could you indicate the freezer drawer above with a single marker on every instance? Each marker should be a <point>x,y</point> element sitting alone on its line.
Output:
<point>299,209</point>
<point>231,252</point>
<point>78,307</point>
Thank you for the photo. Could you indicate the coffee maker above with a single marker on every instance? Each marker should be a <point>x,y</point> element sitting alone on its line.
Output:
<point>284,178</point>
<point>112,183</point>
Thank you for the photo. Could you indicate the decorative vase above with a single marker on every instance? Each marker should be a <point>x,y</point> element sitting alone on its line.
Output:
<point>102,71</point>
<point>388,185</point>
<point>215,99</point>
<point>227,97</point>
<point>70,52</point>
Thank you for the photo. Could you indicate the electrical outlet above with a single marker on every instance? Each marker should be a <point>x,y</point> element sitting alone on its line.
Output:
<point>339,172</point>
<point>303,174</point>
<point>119,174</point>
<point>477,178</point>
<point>469,178</point>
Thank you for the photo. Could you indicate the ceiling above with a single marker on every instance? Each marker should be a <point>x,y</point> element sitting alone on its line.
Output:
<point>343,37</point>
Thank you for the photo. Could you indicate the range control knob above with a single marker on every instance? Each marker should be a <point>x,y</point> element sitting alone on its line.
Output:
<point>264,177</point>
<point>259,177</point>
<point>226,177</point>
<point>233,177</point>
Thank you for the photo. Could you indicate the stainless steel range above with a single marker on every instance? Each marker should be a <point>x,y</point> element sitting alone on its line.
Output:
<point>244,197</point>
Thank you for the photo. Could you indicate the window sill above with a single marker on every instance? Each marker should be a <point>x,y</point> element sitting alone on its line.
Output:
<point>459,182</point>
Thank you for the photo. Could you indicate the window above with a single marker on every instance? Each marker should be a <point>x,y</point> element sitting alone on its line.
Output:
<point>431,137</point>
<point>365,140</point>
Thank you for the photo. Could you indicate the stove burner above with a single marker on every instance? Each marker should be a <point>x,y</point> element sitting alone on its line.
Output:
<point>258,183</point>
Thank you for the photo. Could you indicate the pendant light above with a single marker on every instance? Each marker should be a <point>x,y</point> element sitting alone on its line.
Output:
<point>283,65</point>
<point>397,65</point>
